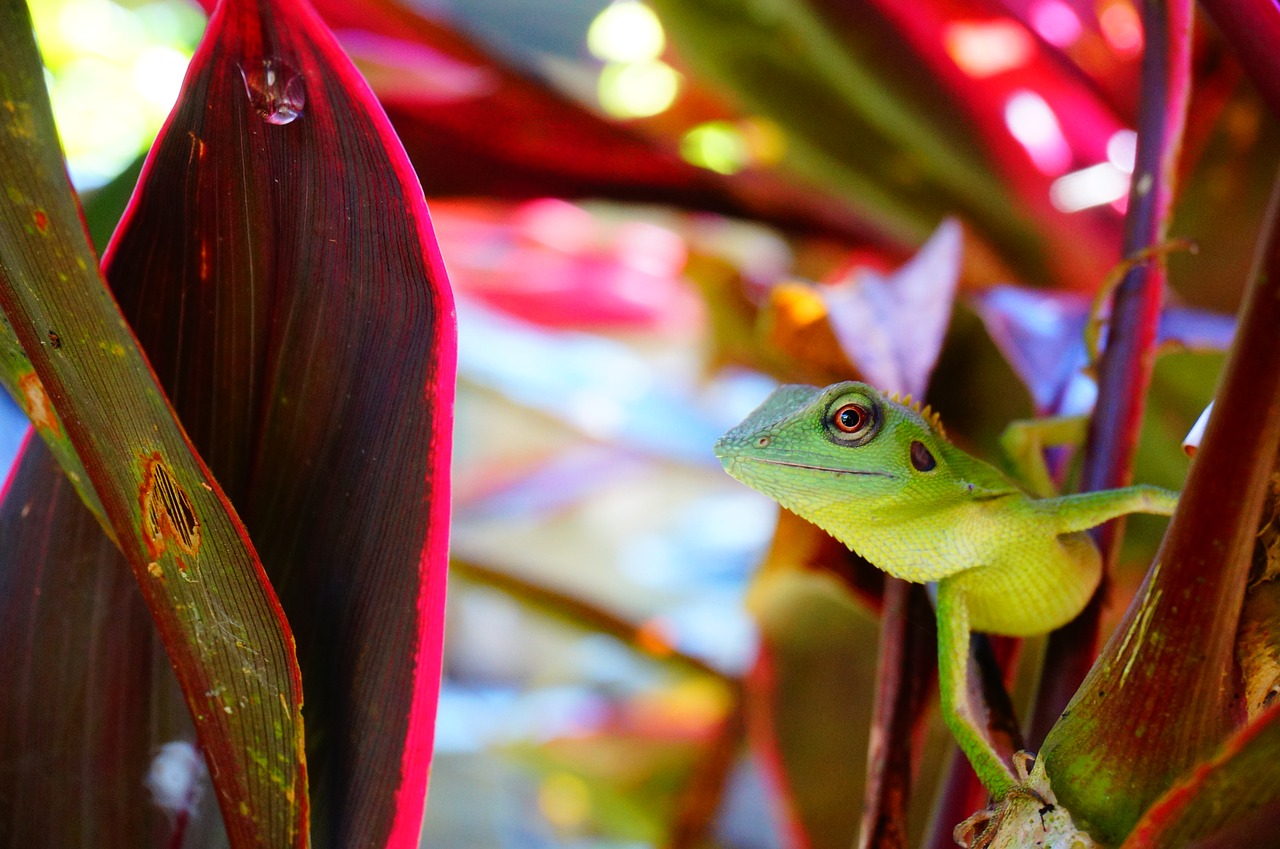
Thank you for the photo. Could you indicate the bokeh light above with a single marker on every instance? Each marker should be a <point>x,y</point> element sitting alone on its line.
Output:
<point>716,145</point>
<point>1033,123</point>
<point>637,89</point>
<point>626,31</point>
<point>113,74</point>
<point>1056,22</point>
<point>1089,187</point>
<point>1121,26</point>
<point>986,48</point>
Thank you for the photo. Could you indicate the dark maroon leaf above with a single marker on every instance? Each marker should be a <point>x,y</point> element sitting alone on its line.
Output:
<point>278,264</point>
<point>221,624</point>
<point>1252,28</point>
<point>89,696</point>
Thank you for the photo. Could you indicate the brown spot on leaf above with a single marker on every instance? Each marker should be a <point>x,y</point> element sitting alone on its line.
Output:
<point>37,405</point>
<point>41,220</point>
<point>153,568</point>
<point>167,512</point>
<point>55,340</point>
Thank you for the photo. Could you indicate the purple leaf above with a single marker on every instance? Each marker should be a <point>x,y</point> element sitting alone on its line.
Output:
<point>891,327</point>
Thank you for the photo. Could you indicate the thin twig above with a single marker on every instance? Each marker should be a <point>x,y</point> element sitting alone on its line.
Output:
<point>584,614</point>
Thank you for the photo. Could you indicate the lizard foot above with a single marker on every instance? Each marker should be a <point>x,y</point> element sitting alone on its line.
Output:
<point>1027,815</point>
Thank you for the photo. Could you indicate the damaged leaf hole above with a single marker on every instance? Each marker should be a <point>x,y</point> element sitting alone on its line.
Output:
<point>167,512</point>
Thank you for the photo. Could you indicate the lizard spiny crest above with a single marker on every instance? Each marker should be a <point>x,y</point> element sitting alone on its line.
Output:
<point>926,412</point>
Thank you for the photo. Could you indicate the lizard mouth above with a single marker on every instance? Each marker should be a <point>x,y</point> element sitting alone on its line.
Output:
<point>812,468</point>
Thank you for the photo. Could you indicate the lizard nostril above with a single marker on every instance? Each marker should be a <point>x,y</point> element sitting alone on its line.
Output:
<point>762,442</point>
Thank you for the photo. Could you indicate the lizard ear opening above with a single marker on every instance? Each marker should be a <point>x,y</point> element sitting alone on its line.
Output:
<point>921,458</point>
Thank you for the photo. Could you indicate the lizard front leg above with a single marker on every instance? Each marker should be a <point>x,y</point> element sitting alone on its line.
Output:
<point>1024,441</point>
<point>1084,510</point>
<point>953,686</point>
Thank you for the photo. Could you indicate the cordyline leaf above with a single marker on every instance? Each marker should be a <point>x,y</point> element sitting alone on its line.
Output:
<point>221,624</point>
<point>88,695</point>
<point>552,145</point>
<point>1159,699</point>
<point>21,381</point>
<point>809,704</point>
<point>1241,780</point>
<point>278,264</point>
<point>938,48</point>
<point>1251,28</point>
<point>808,692</point>
<point>854,115</point>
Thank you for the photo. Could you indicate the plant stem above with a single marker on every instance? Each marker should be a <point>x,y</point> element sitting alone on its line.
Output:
<point>904,684</point>
<point>1124,371</point>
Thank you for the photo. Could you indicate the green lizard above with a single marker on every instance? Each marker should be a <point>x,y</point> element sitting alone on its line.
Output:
<point>879,475</point>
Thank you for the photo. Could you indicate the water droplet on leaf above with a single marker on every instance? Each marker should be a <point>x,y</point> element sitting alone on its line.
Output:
<point>275,91</point>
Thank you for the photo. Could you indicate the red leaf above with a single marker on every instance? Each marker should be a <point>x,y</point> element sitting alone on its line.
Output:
<point>1240,783</point>
<point>221,623</point>
<point>88,695</point>
<point>550,145</point>
<point>278,264</point>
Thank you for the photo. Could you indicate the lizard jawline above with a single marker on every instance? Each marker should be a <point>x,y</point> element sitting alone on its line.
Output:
<point>810,468</point>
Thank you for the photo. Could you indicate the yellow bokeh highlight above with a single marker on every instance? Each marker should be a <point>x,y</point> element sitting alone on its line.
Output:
<point>626,31</point>
<point>113,73</point>
<point>716,145</point>
<point>565,800</point>
<point>637,89</point>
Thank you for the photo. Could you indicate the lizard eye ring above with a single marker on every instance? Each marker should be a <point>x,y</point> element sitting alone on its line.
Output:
<point>851,419</point>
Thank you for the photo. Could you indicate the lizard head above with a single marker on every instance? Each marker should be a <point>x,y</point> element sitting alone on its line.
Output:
<point>842,456</point>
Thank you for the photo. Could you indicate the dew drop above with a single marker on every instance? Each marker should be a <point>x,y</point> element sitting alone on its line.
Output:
<point>275,91</point>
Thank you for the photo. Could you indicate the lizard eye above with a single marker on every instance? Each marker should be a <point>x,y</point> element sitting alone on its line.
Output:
<point>851,418</point>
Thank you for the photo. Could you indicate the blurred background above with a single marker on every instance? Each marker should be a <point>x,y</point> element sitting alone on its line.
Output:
<point>652,213</point>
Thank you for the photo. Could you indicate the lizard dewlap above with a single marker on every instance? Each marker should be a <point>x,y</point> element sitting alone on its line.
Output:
<point>878,474</point>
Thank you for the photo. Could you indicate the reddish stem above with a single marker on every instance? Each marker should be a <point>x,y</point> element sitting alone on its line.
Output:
<point>904,679</point>
<point>1124,371</point>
